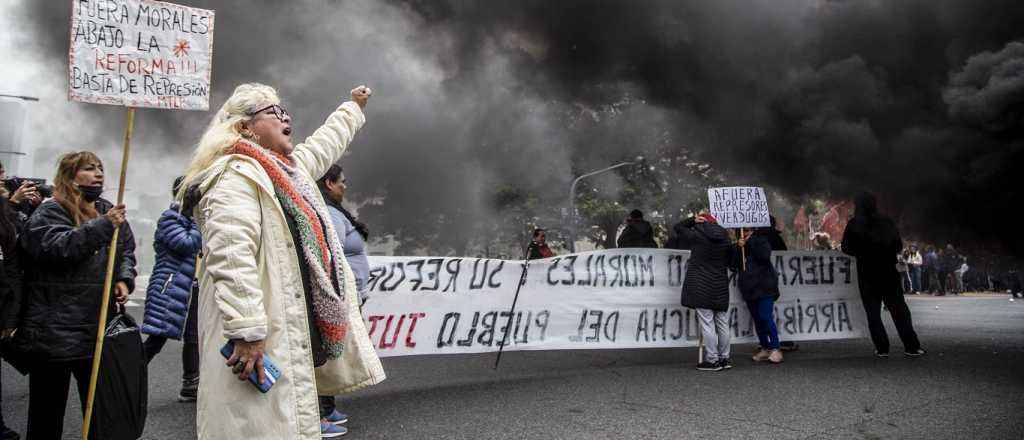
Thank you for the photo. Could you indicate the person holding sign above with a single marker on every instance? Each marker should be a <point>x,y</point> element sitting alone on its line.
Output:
<point>66,243</point>
<point>875,241</point>
<point>706,285</point>
<point>275,282</point>
<point>759,285</point>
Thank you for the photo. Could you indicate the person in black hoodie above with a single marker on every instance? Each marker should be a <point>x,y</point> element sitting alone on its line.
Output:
<point>759,284</point>
<point>638,232</point>
<point>706,285</point>
<point>66,241</point>
<point>874,240</point>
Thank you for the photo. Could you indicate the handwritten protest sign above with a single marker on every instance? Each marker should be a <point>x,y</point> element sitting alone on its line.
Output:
<point>739,206</point>
<point>140,53</point>
<point>608,299</point>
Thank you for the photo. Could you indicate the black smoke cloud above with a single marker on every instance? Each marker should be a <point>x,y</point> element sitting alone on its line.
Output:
<point>919,101</point>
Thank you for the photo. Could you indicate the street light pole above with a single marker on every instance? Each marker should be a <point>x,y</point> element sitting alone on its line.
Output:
<point>21,97</point>
<point>572,198</point>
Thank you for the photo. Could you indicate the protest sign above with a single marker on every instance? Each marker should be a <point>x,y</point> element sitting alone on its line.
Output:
<point>136,53</point>
<point>610,299</point>
<point>739,206</point>
<point>140,53</point>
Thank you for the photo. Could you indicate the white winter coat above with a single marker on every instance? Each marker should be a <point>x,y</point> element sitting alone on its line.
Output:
<point>251,288</point>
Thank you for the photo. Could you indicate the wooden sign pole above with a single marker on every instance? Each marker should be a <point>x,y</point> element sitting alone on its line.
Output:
<point>101,328</point>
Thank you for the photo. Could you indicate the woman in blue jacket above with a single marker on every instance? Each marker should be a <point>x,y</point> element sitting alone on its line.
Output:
<point>171,296</point>
<point>353,235</point>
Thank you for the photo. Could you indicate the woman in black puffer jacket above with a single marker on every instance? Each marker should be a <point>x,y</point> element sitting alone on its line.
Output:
<point>65,243</point>
<point>706,285</point>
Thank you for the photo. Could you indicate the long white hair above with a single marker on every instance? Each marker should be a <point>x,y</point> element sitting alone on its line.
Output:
<point>224,130</point>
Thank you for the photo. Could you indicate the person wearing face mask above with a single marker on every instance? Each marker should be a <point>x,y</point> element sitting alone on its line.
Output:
<point>65,244</point>
<point>275,280</point>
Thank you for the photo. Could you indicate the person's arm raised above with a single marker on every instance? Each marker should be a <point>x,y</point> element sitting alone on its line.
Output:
<point>330,141</point>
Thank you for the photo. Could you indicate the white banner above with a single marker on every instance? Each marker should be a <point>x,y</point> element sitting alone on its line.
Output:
<point>140,53</point>
<point>739,206</point>
<point>611,299</point>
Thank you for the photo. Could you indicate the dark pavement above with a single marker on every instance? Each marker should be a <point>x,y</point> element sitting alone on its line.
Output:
<point>969,386</point>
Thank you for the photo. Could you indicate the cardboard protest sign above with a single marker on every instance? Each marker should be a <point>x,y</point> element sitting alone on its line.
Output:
<point>140,53</point>
<point>739,206</point>
<point>609,299</point>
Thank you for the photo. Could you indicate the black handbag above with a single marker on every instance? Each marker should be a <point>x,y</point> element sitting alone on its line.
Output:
<point>119,409</point>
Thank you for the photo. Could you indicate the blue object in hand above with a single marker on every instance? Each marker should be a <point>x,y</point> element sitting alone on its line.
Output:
<point>271,370</point>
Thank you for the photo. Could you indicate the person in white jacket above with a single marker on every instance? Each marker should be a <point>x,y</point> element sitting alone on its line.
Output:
<point>274,280</point>
<point>915,262</point>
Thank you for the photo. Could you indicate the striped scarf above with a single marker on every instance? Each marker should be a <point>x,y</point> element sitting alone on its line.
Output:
<point>322,253</point>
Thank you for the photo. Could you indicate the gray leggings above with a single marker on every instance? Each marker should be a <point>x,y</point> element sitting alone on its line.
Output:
<point>715,327</point>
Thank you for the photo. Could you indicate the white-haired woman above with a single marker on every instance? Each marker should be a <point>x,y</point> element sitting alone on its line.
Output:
<point>274,280</point>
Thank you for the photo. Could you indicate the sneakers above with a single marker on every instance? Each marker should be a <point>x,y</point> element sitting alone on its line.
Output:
<point>709,366</point>
<point>775,356</point>
<point>330,430</point>
<point>189,390</point>
<point>337,418</point>
<point>762,355</point>
<point>881,354</point>
<point>915,353</point>
<point>724,363</point>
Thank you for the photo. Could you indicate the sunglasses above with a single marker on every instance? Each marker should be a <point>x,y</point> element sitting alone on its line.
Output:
<point>279,112</point>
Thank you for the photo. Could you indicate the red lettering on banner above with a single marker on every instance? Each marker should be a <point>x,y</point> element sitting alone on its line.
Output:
<point>387,326</point>
<point>388,337</point>
<point>412,328</point>
<point>373,324</point>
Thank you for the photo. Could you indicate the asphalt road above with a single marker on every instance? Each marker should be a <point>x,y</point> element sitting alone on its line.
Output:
<point>969,386</point>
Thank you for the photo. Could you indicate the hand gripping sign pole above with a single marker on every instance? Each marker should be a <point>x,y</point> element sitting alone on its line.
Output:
<point>101,328</point>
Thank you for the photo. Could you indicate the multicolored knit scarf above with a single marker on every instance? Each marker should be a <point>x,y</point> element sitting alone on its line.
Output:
<point>300,202</point>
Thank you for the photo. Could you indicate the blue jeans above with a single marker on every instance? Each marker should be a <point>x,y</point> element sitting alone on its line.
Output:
<point>762,310</point>
<point>915,278</point>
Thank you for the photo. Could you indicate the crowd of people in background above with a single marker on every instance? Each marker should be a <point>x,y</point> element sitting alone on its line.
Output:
<point>937,270</point>
<point>886,270</point>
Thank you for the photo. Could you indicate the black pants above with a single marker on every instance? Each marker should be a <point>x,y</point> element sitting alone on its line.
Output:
<point>879,288</point>
<point>190,352</point>
<point>327,405</point>
<point>189,355</point>
<point>2,425</point>
<point>48,396</point>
